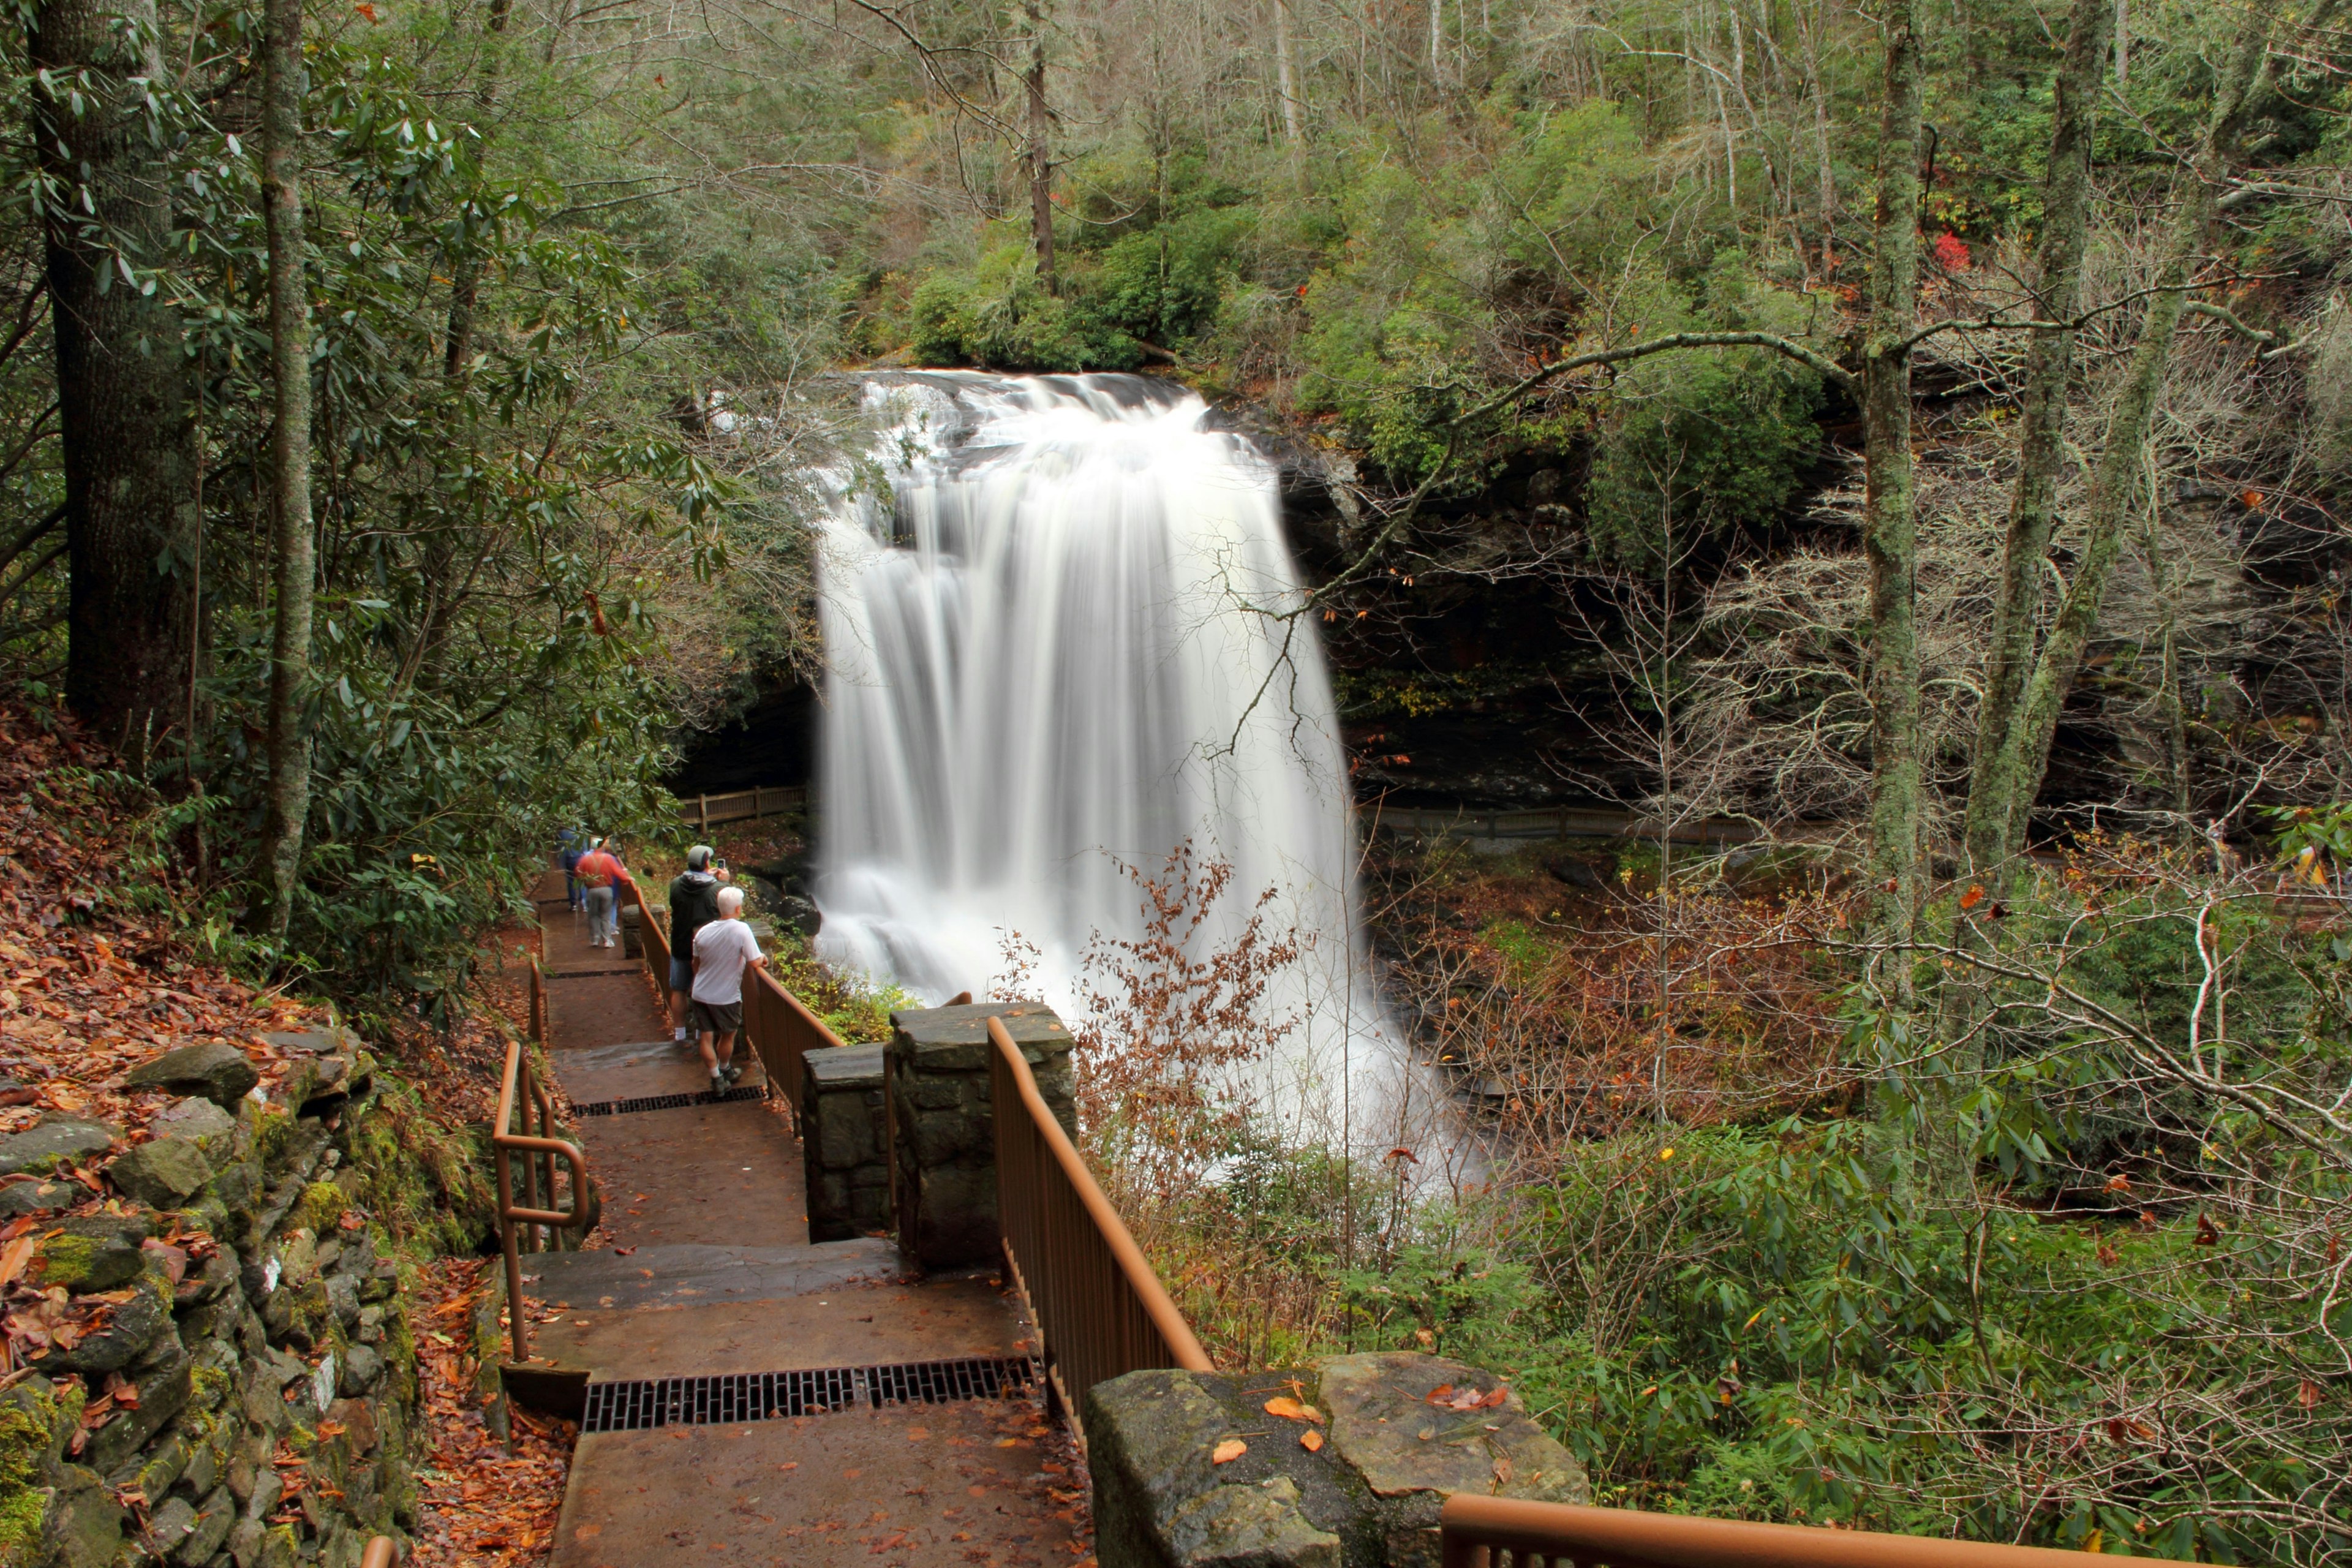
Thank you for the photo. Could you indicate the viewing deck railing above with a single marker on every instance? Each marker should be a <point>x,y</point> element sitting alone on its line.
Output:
<point>521,1216</point>
<point>1101,1311</point>
<point>1479,1531</point>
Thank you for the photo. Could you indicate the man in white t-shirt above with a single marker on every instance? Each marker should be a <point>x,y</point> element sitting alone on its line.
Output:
<point>723,948</point>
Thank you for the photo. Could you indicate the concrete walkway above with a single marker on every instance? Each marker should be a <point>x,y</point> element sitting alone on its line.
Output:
<point>845,1441</point>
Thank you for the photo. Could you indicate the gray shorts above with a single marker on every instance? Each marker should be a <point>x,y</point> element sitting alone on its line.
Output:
<point>718,1017</point>
<point>681,974</point>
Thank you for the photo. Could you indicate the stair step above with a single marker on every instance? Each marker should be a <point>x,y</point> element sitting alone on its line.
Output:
<point>689,1275</point>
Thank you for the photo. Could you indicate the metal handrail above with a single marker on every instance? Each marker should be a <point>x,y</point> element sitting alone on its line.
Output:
<point>519,1086</point>
<point>781,1032</point>
<point>382,1552</point>
<point>1477,1532</point>
<point>1100,1310</point>
<point>652,940</point>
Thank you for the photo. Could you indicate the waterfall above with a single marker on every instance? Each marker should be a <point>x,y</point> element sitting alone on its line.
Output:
<point>1063,633</point>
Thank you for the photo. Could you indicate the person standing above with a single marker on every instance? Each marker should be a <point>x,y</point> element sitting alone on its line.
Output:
<point>723,950</point>
<point>693,904</point>
<point>601,876</point>
<point>567,855</point>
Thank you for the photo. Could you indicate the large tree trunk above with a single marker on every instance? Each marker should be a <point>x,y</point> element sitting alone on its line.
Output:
<point>2025,745</point>
<point>1889,525</point>
<point>1040,152</point>
<point>132,513</point>
<point>289,802</point>
<point>465,270</point>
<point>2042,454</point>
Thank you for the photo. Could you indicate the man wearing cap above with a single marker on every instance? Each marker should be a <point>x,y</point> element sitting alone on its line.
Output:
<point>723,948</point>
<point>693,904</point>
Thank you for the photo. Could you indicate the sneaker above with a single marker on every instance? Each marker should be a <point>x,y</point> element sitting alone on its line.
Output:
<point>719,1083</point>
<point>734,1070</point>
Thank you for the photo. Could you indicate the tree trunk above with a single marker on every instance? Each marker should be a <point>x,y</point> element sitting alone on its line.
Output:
<point>2114,485</point>
<point>129,429</point>
<point>465,268</point>
<point>287,805</point>
<point>1889,526</point>
<point>1286,80</point>
<point>2042,455</point>
<point>1041,157</point>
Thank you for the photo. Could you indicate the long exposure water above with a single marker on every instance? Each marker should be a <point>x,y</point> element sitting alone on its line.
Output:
<point>1063,640</point>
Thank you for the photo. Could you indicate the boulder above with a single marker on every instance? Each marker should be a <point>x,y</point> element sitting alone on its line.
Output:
<point>52,1139</point>
<point>85,1259</point>
<point>132,1328</point>
<point>163,1174</point>
<point>215,1069</point>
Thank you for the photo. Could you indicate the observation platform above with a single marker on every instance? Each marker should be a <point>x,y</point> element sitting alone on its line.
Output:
<point>744,1396</point>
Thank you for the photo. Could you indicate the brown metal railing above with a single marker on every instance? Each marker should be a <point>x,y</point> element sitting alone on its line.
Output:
<point>1100,1310</point>
<point>522,1217</point>
<point>1483,1532</point>
<point>382,1552</point>
<point>653,939</point>
<point>782,1032</point>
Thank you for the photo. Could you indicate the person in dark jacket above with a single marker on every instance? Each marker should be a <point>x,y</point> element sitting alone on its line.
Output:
<point>693,904</point>
<point>568,852</point>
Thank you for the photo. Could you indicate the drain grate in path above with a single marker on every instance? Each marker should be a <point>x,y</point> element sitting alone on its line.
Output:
<point>772,1396</point>
<point>671,1101</point>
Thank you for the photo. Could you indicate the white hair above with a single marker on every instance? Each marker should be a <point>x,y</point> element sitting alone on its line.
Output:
<point>730,900</point>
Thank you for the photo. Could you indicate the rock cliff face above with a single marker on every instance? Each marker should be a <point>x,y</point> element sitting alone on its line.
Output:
<point>228,1377</point>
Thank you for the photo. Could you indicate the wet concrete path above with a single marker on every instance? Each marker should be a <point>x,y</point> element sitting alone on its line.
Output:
<point>704,1273</point>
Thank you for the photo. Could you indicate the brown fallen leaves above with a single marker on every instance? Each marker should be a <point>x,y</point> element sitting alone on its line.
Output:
<point>481,1505</point>
<point>1451,1398</point>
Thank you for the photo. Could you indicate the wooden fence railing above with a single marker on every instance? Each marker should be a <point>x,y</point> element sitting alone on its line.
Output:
<point>1100,1310</point>
<point>1478,1531</point>
<point>742,805</point>
<point>521,1215</point>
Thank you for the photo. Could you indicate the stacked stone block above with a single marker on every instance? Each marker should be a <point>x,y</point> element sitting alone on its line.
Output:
<point>845,1143</point>
<point>943,1127</point>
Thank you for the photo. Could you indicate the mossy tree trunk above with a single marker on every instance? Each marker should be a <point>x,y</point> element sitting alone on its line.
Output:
<point>2041,452</point>
<point>2019,754</point>
<point>1890,526</point>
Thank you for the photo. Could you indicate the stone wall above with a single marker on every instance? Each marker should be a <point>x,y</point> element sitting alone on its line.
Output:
<point>944,1121</point>
<point>249,1396</point>
<point>846,1147</point>
<point>1344,1464</point>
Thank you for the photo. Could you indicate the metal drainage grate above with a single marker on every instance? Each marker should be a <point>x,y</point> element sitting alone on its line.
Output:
<point>671,1101</point>
<point>772,1396</point>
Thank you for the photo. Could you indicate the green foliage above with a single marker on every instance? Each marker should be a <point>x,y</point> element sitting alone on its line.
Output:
<point>1705,444</point>
<point>855,1010</point>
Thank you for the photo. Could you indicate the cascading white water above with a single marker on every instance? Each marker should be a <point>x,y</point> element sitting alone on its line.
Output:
<point>1057,644</point>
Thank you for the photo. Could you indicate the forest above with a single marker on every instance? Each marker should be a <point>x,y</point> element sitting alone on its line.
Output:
<point>1895,456</point>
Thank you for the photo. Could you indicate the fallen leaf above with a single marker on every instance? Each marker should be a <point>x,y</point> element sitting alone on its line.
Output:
<point>1311,1440</point>
<point>1288,1408</point>
<point>1226,1452</point>
<point>1496,1398</point>
<point>1439,1395</point>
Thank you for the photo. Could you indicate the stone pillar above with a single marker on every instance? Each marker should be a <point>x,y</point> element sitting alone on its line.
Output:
<point>844,1146</point>
<point>943,1127</point>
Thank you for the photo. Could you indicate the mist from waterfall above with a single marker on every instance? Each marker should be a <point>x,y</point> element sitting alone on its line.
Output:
<point>1057,615</point>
